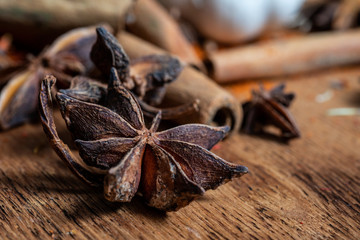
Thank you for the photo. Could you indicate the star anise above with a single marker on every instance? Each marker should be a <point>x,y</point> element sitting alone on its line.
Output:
<point>147,76</point>
<point>93,91</point>
<point>169,168</point>
<point>66,57</point>
<point>69,56</point>
<point>270,108</point>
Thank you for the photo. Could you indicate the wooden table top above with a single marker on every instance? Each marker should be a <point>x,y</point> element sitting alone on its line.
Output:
<point>307,189</point>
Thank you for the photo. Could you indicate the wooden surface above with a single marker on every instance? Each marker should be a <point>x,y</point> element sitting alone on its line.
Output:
<point>308,189</point>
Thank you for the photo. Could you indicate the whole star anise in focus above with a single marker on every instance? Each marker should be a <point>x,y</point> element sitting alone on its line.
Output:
<point>270,108</point>
<point>168,169</point>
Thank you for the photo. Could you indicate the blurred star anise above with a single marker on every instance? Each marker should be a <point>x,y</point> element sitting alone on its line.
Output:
<point>270,108</point>
<point>74,54</point>
<point>65,58</point>
<point>169,168</point>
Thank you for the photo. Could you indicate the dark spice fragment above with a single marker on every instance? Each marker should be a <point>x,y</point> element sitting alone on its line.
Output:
<point>270,108</point>
<point>319,16</point>
<point>330,15</point>
<point>169,168</point>
<point>154,72</point>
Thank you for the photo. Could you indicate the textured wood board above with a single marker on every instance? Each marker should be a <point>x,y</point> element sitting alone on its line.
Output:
<point>309,188</point>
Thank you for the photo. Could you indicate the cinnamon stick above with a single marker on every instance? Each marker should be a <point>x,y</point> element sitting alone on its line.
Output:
<point>152,22</point>
<point>216,107</point>
<point>284,57</point>
<point>34,23</point>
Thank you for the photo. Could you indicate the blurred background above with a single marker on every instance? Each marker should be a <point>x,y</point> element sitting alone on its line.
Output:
<point>215,36</point>
<point>229,41</point>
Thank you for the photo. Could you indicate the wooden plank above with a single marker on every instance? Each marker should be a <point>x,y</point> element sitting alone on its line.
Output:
<point>309,188</point>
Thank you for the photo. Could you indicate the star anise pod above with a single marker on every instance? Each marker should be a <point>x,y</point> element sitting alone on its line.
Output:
<point>169,168</point>
<point>270,108</point>
<point>147,76</point>
<point>66,57</point>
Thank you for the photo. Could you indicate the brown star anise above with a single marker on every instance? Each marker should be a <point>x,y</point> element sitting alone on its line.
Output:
<point>169,168</point>
<point>147,76</point>
<point>270,108</point>
<point>89,90</point>
<point>66,57</point>
<point>69,56</point>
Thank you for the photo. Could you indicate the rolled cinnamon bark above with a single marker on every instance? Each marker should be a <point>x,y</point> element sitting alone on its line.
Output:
<point>284,57</point>
<point>34,23</point>
<point>216,107</point>
<point>152,22</point>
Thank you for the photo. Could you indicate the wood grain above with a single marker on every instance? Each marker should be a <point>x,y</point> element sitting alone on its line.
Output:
<point>307,189</point>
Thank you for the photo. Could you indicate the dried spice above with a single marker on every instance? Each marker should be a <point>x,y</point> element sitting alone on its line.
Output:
<point>70,55</point>
<point>330,15</point>
<point>147,76</point>
<point>152,74</point>
<point>270,108</point>
<point>169,168</point>
<point>90,90</point>
<point>66,57</point>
